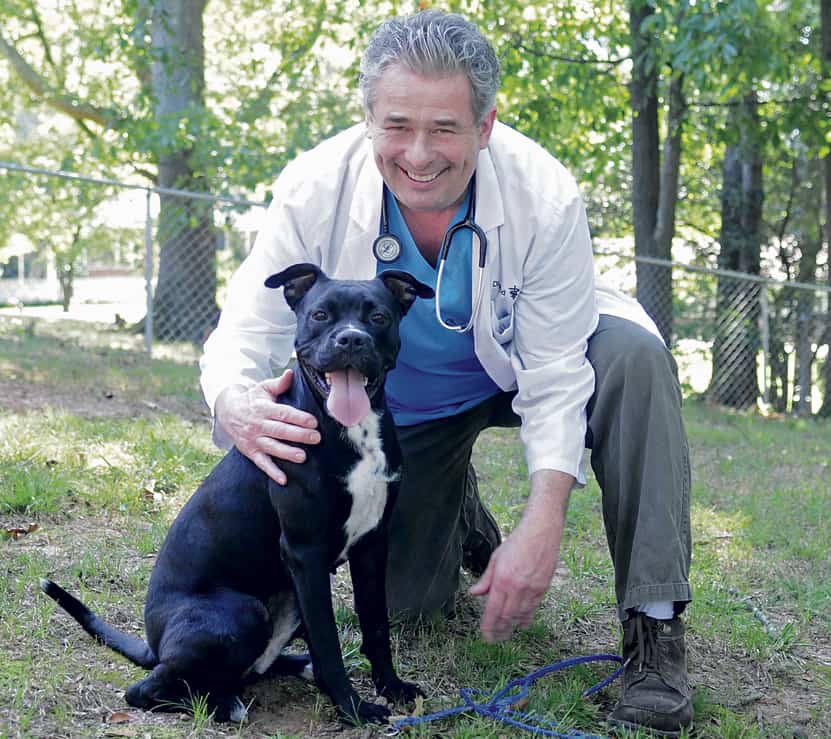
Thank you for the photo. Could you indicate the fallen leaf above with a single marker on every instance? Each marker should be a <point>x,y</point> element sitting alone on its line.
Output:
<point>16,531</point>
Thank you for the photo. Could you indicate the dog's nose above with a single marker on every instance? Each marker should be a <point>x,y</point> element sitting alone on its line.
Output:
<point>352,339</point>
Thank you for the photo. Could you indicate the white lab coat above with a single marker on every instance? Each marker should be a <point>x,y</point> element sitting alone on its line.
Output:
<point>540,305</point>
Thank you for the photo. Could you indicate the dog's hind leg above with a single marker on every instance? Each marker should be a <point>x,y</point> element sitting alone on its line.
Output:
<point>208,644</point>
<point>285,623</point>
<point>161,690</point>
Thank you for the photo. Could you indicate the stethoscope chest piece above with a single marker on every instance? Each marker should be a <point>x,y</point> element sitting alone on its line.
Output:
<point>386,248</point>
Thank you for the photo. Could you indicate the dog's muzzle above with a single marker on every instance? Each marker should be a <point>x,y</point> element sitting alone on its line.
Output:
<point>341,379</point>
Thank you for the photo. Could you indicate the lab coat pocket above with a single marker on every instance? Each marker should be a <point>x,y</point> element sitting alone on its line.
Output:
<point>502,319</point>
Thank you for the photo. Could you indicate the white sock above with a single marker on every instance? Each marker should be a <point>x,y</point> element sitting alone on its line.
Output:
<point>663,610</point>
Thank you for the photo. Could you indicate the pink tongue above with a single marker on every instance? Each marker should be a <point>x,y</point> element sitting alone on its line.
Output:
<point>348,402</point>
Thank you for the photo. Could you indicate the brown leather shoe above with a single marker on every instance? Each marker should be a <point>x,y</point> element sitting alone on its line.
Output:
<point>656,693</point>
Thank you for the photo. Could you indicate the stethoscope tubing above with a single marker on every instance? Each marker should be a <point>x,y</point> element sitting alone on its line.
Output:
<point>386,240</point>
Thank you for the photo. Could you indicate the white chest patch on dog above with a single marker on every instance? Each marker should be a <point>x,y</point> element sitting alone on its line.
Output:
<point>367,481</point>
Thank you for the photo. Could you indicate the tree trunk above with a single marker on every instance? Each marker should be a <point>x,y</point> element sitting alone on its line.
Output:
<point>66,280</point>
<point>825,372</point>
<point>825,11</point>
<point>184,303</point>
<point>65,267</point>
<point>654,282</point>
<point>779,390</point>
<point>810,243</point>
<point>734,382</point>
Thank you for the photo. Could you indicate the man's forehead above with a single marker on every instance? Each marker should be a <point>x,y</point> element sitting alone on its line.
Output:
<point>402,90</point>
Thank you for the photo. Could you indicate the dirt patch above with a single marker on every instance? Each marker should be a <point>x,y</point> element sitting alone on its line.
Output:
<point>19,396</point>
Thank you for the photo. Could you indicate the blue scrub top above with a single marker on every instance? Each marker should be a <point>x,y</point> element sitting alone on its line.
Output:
<point>437,373</point>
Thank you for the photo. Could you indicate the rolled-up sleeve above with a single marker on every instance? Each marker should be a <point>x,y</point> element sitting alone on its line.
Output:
<point>554,319</point>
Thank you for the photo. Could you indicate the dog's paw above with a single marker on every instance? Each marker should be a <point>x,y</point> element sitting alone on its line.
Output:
<point>399,691</point>
<point>358,712</point>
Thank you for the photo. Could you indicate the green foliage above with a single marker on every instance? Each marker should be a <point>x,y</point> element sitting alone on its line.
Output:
<point>263,68</point>
<point>30,487</point>
<point>279,78</point>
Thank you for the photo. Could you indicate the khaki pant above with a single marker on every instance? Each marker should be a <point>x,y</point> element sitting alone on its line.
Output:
<point>639,456</point>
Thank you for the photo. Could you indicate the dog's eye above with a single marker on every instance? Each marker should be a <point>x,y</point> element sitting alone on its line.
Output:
<point>379,319</point>
<point>320,315</point>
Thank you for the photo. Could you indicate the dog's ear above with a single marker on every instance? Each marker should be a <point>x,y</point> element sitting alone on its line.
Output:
<point>297,280</point>
<point>405,287</point>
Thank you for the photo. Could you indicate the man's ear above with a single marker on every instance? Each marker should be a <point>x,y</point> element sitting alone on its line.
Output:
<point>405,287</point>
<point>486,128</point>
<point>297,281</point>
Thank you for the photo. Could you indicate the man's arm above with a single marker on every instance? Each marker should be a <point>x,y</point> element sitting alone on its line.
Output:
<point>521,568</point>
<point>553,320</point>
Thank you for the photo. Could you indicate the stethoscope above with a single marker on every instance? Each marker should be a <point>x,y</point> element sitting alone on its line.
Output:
<point>387,248</point>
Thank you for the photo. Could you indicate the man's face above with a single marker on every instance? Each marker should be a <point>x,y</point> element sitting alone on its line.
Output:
<point>424,137</point>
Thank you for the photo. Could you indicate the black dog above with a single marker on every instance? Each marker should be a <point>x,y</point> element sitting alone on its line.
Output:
<point>245,566</point>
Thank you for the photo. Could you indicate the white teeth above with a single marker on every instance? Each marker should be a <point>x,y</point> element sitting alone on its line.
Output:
<point>328,377</point>
<point>423,177</point>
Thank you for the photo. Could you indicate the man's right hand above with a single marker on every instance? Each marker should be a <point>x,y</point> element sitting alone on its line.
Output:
<point>259,426</point>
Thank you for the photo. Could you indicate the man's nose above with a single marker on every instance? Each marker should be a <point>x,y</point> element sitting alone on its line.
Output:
<point>420,150</point>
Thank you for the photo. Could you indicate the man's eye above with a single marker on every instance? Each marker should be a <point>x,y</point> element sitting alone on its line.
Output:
<point>320,315</point>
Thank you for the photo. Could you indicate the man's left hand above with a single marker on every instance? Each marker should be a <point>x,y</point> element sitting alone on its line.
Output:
<point>516,579</point>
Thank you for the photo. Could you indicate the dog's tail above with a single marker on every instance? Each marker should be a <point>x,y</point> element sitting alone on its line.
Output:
<point>134,649</point>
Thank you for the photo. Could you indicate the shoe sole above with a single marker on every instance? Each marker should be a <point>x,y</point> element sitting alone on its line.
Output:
<point>613,724</point>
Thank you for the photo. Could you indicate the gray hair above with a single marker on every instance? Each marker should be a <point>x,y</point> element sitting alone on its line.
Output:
<point>433,43</point>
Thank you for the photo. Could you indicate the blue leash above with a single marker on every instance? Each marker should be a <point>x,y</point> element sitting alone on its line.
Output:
<point>499,707</point>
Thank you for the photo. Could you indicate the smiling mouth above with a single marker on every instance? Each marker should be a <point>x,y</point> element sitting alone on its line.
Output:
<point>421,178</point>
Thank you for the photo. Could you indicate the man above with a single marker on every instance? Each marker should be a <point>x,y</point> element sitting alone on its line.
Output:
<point>569,362</point>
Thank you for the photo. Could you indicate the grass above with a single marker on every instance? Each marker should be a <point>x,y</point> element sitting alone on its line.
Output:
<point>100,446</point>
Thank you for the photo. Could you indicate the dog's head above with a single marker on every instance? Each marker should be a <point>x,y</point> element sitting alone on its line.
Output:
<point>347,332</point>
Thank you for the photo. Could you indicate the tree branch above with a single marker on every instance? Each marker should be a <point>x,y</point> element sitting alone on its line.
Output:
<point>43,89</point>
<point>41,35</point>
<point>517,41</point>
<point>141,57</point>
<point>255,107</point>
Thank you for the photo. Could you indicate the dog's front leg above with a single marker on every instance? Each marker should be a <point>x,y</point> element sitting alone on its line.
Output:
<point>367,564</point>
<point>311,580</point>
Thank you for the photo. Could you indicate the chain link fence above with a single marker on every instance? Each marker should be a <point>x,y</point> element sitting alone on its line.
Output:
<point>740,340</point>
<point>163,256</point>
<point>160,260</point>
